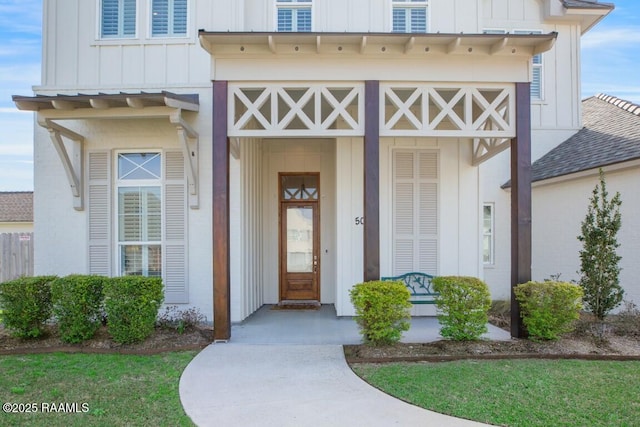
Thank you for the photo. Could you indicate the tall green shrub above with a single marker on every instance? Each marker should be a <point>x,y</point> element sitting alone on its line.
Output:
<point>599,261</point>
<point>26,304</point>
<point>383,310</point>
<point>77,302</point>
<point>549,309</point>
<point>131,305</point>
<point>463,306</point>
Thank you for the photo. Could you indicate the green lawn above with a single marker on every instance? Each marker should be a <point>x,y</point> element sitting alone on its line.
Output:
<point>107,390</point>
<point>518,392</point>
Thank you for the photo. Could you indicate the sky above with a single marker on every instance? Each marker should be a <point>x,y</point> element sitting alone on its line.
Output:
<point>610,64</point>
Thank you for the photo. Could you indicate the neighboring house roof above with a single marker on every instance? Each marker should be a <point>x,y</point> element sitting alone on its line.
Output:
<point>16,206</point>
<point>611,134</point>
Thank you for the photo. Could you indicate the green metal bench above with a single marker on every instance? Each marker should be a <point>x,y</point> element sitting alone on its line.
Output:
<point>419,285</point>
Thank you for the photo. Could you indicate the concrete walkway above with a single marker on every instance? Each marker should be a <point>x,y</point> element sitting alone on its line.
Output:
<point>268,376</point>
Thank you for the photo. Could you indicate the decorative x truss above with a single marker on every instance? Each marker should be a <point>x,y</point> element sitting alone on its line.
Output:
<point>296,110</point>
<point>474,111</point>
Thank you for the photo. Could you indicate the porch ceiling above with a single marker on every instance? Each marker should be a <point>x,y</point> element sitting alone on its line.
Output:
<point>270,43</point>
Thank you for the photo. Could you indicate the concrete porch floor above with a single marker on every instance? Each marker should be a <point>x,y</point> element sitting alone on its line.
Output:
<point>318,327</point>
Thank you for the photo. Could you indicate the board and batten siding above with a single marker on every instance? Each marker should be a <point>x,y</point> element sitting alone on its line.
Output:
<point>103,243</point>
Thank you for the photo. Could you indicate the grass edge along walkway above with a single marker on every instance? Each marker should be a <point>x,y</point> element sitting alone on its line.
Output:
<point>517,393</point>
<point>94,389</point>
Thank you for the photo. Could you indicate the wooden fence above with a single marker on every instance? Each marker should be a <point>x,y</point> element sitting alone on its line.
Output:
<point>16,255</point>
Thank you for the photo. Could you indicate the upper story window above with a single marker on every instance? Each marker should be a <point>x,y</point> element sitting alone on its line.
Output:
<point>168,18</point>
<point>294,15</point>
<point>118,18</point>
<point>410,16</point>
<point>537,88</point>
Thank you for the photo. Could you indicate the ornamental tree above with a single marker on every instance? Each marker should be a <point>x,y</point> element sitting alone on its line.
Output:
<point>599,261</point>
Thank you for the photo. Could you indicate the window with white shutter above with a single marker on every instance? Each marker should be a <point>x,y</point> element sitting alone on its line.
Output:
<point>139,214</point>
<point>117,18</point>
<point>409,16</point>
<point>99,211</point>
<point>175,227</point>
<point>169,18</point>
<point>537,89</point>
<point>415,211</point>
<point>294,15</point>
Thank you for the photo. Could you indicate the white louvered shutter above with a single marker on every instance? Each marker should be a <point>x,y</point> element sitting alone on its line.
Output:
<point>175,256</point>
<point>169,17</point>
<point>118,18</point>
<point>415,212</point>
<point>99,213</point>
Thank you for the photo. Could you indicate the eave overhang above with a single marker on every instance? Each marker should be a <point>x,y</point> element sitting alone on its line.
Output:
<point>252,44</point>
<point>585,12</point>
<point>51,109</point>
<point>104,101</point>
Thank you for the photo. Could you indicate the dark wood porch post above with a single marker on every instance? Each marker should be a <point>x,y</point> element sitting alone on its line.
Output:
<point>221,257</point>
<point>520,202</point>
<point>372,180</point>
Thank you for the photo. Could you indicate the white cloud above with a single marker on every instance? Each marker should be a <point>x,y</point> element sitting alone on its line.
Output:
<point>23,16</point>
<point>13,110</point>
<point>20,47</point>
<point>25,74</point>
<point>16,177</point>
<point>618,37</point>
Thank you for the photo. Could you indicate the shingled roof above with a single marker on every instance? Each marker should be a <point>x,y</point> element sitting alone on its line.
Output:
<point>611,135</point>
<point>586,4</point>
<point>16,206</point>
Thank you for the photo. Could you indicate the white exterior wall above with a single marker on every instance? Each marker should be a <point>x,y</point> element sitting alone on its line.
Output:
<point>558,211</point>
<point>75,60</point>
<point>350,204</point>
<point>459,229</point>
<point>62,246</point>
<point>299,155</point>
<point>554,119</point>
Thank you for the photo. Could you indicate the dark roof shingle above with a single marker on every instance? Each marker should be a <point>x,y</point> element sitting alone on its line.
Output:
<point>611,134</point>
<point>586,4</point>
<point>16,206</point>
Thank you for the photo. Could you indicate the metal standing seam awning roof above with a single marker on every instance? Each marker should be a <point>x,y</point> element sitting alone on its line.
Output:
<point>251,43</point>
<point>105,101</point>
<point>52,108</point>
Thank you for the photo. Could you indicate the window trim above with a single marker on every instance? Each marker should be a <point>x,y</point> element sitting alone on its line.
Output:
<point>408,4</point>
<point>121,183</point>
<point>294,4</point>
<point>119,37</point>
<point>491,235</point>
<point>537,99</point>
<point>170,36</point>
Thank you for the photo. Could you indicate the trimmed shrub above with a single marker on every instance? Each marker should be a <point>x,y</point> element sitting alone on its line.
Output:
<point>549,309</point>
<point>131,305</point>
<point>382,310</point>
<point>26,304</point>
<point>463,305</point>
<point>77,303</point>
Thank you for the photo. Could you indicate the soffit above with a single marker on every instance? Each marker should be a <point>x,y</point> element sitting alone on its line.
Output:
<point>252,44</point>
